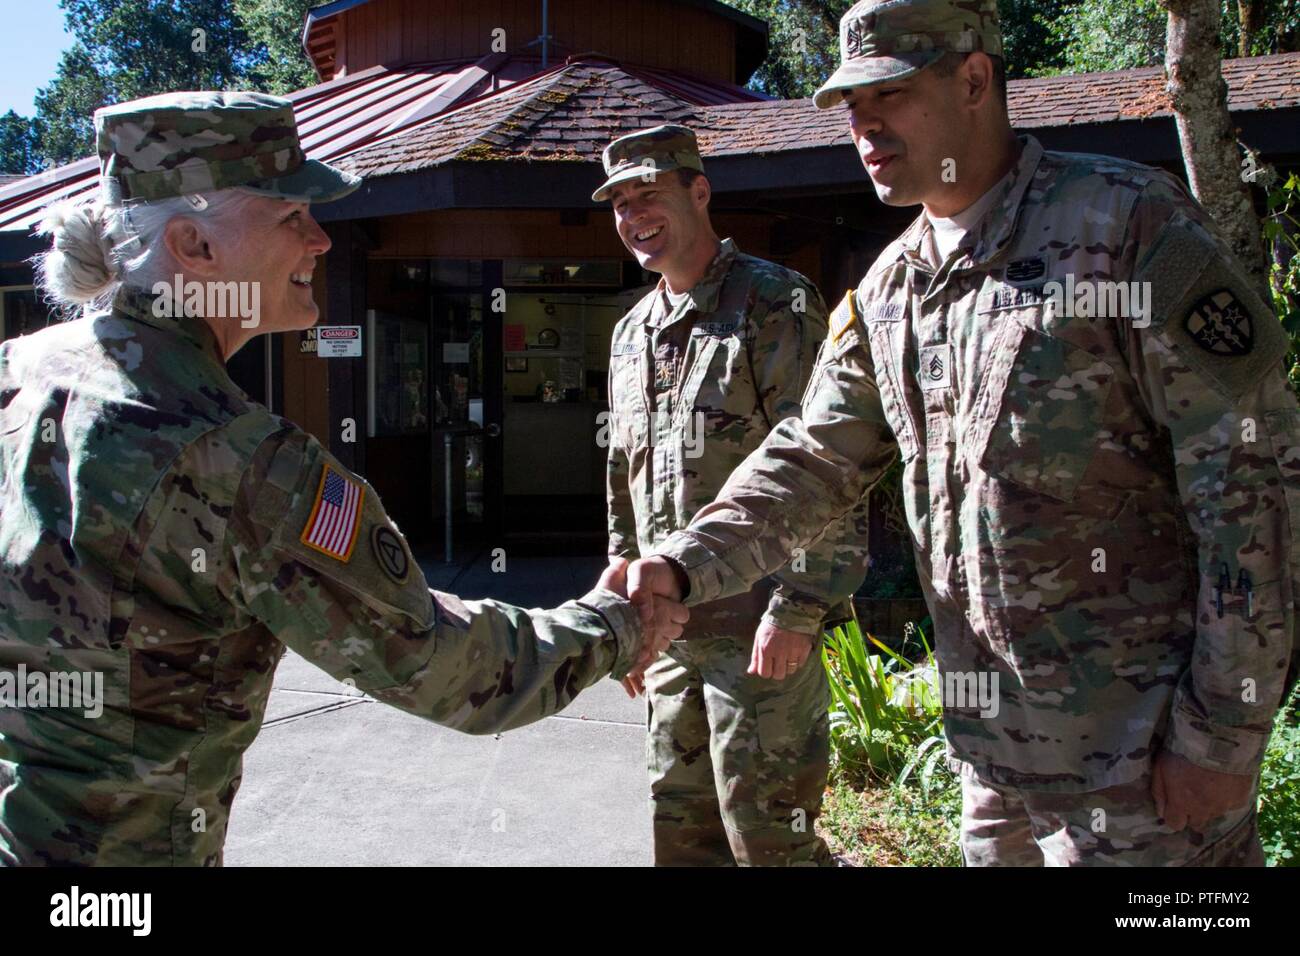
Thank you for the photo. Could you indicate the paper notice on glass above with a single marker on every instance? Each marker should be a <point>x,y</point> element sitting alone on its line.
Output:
<point>570,373</point>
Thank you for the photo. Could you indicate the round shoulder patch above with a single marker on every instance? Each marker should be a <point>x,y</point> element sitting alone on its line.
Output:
<point>390,553</point>
<point>1220,324</point>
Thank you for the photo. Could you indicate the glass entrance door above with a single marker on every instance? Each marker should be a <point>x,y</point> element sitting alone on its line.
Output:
<point>555,348</point>
<point>460,418</point>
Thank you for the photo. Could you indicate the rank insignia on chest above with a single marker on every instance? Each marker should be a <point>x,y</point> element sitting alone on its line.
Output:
<point>665,373</point>
<point>1220,324</point>
<point>1026,270</point>
<point>335,515</point>
<point>936,367</point>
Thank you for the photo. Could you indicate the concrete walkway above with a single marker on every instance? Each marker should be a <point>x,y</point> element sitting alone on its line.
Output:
<point>335,779</point>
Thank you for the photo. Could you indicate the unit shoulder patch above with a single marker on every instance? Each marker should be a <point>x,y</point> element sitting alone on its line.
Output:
<point>1220,324</point>
<point>390,553</point>
<point>1208,313</point>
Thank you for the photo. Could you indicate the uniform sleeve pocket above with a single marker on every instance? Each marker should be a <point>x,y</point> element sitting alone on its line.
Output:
<point>1039,411</point>
<point>1283,426</point>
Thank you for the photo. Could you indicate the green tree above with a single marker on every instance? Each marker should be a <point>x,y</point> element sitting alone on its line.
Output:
<point>803,41</point>
<point>279,63</point>
<point>1100,35</point>
<point>17,144</point>
<point>1040,37</point>
<point>63,129</point>
<point>1032,44</point>
<point>127,49</point>
<point>803,44</point>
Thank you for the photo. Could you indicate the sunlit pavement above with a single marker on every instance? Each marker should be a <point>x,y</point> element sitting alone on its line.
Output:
<point>336,779</point>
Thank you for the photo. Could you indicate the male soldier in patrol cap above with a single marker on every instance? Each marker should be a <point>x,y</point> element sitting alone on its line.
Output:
<point>164,534</point>
<point>701,369</point>
<point>1102,497</point>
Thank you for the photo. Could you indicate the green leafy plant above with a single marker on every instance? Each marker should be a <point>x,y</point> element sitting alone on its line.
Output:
<point>893,799</point>
<point>883,708</point>
<point>1282,238</point>
<point>1279,789</point>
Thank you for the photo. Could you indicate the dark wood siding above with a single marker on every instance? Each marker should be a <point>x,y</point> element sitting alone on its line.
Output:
<point>539,233</point>
<point>656,33</point>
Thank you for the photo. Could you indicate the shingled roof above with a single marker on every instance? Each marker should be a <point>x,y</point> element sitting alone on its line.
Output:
<point>1254,83</point>
<point>382,121</point>
<point>573,113</point>
<point>346,114</point>
<point>567,114</point>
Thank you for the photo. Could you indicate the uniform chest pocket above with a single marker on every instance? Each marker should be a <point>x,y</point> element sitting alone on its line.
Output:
<point>888,341</point>
<point>718,383</point>
<point>627,401</point>
<point>1039,412</point>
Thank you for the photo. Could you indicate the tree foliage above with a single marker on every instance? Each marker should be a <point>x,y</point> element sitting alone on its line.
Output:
<point>1100,35</point>
<point>127,49</point>
<point>130,48</point>
<point>1040,37</point>
<point>274,27</point>
<point>17,144</point>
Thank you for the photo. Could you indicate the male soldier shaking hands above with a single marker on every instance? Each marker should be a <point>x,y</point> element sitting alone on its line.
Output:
<point>1103,504</point>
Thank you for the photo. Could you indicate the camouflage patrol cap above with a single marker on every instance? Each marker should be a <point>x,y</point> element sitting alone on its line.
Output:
<point>883,40</point>
<point>647,152</point>
<point>182,143</point>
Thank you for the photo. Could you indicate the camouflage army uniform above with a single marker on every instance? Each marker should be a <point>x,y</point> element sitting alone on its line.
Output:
<point>157,528</point>
<point>1102,514</point>
<point>737,762</point>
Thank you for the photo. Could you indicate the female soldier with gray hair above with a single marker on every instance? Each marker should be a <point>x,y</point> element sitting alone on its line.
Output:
<point>163,537</point>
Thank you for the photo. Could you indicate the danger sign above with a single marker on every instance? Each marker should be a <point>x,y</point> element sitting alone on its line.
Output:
<point>338,341</point>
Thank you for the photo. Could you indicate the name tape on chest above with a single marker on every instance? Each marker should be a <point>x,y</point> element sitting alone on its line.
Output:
<point>885,312</point>
<point>335,515</point>
<point>718,329</point>
<point>1010,297</point>
<point>625,348</point>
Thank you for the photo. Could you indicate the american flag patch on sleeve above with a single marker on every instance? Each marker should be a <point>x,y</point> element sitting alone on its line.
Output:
<point>335,516</point>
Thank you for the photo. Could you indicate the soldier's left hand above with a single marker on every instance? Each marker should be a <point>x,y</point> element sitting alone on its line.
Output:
<point>1191,795</point>
<point>778,653</point>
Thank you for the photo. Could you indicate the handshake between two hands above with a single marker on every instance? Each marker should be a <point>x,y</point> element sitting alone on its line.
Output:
<point>654,586</point>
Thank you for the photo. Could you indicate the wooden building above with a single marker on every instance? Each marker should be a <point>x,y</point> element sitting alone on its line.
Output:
<point>485,280</point>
